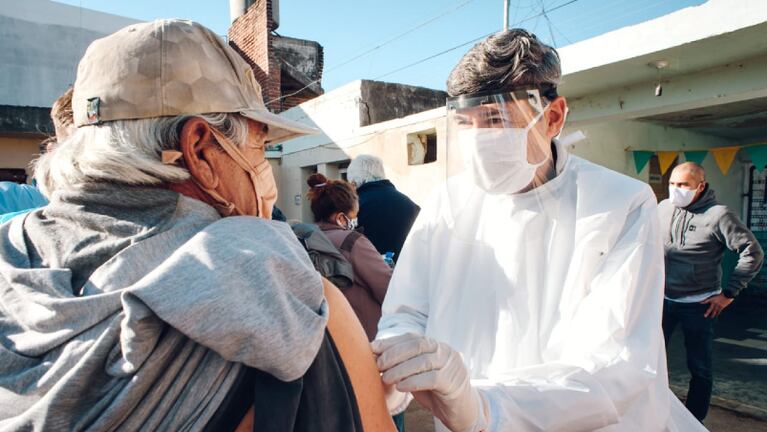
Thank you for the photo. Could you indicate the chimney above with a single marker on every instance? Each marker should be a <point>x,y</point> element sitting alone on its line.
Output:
<point>237,9</point>
<point>251,36</point>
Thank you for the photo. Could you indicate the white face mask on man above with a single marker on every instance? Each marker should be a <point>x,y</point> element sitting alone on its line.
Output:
<point>681,197</point>
<point>497,157</point>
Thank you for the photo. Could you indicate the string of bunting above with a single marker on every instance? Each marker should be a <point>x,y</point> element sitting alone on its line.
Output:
<point>723,156</point>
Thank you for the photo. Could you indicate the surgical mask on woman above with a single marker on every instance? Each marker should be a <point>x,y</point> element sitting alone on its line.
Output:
<point>497,157</point>
<point>681,197</point>
<point>350,225</point>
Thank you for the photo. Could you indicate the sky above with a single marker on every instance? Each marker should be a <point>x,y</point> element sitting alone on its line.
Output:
<point>414,42</point>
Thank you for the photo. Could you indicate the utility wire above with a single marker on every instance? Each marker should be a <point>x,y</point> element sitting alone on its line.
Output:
<point>469,42</point>
<point>447,51</point>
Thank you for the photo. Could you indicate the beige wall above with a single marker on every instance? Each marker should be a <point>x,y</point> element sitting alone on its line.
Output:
<point>606,145</point>
<point>389,143</point>
<point>18,152</point>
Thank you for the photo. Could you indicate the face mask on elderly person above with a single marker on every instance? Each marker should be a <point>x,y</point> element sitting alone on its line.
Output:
<point>256,201</point>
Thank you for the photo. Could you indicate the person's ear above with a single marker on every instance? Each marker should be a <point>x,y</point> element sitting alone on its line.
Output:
<point>195,139</point>
<point>556,114</point>
<point>336,218</point>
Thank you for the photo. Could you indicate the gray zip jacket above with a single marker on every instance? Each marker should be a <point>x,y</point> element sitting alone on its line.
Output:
<point>695,238</point>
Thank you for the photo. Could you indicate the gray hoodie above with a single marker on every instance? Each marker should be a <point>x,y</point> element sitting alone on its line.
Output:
<point>695,238</point>
<point>130,308</point>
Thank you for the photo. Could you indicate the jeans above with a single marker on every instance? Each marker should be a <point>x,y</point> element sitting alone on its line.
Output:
<point>698,338</point>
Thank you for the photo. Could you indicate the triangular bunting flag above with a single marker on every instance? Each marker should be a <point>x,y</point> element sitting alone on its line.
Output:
<point>665,159</point>
<point>758,155</point>
<point>641,158</point>
<point>695,156</point>
<point>724,156</point>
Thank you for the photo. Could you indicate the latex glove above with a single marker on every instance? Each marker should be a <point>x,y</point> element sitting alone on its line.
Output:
<point>396,401</point>
<point>437,377</point>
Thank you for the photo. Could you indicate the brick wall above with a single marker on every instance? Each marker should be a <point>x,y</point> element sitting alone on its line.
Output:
<point>251,36</point>
<point>295,100</point>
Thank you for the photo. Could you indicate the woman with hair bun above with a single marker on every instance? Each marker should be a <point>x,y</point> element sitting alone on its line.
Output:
<point>335,206</point>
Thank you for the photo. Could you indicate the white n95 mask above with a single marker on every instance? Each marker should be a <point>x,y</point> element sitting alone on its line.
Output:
<point>680,197</point>
<point>497,158</point>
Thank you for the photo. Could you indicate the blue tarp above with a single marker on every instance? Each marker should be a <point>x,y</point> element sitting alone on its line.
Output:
<point>15,198</point>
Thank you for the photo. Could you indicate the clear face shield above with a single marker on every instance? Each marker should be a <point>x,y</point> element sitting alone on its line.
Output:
<point>499,140</point>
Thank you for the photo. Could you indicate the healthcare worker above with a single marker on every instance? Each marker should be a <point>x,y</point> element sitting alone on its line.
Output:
<point>528,295</point>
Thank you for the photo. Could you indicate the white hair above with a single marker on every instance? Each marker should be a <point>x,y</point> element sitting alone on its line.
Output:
<point>364,169</point>
<point>125,151</point>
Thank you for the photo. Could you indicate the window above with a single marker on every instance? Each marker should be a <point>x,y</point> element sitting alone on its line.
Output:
<point>422,147</point>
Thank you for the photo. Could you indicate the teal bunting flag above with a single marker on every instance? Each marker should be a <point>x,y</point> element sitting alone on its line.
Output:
<point>641,158</point>
<point>695,156</point>
<point>758,155</point>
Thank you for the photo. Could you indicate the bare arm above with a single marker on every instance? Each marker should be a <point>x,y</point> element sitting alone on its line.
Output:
<point>352,344</point>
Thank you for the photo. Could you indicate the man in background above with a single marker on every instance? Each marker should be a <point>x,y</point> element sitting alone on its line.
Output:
<point>697,230</point>
<point>385,213</point>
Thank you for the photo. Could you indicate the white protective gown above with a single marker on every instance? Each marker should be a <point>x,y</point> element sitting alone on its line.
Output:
<point>553,297</point>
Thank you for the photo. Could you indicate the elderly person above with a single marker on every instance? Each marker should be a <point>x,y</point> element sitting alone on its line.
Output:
<point>528,295</point>
<point>386,214</point>
<point>133,300</point>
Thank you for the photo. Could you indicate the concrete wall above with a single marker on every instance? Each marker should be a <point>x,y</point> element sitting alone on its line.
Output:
<point>387,140</point>
<point>304,55</point>
<point>607,144</point>
<point>41,43</point>
<point>383,101</point>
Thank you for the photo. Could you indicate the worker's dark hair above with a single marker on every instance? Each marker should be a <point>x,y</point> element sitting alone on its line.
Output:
<point>330,196</point>
<point>504,61</point>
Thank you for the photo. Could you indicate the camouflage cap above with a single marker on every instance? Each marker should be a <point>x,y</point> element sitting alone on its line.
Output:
<point>168,68</point>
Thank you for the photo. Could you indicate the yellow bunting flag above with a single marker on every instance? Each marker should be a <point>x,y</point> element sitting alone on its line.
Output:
<point>665,159</point>
<point>724,157</point>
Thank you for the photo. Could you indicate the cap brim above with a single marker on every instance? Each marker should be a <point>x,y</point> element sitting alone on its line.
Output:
<point>280,128</point>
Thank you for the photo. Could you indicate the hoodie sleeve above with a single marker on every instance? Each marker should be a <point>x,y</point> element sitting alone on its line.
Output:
<point>245,288</point>
<point>740,239</point>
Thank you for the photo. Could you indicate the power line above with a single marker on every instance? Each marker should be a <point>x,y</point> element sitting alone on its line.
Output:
<point>448,50</point>
<point>401,35</point>
<point>469,42</point>
<point>614,18</point>
<point>375,48</point>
